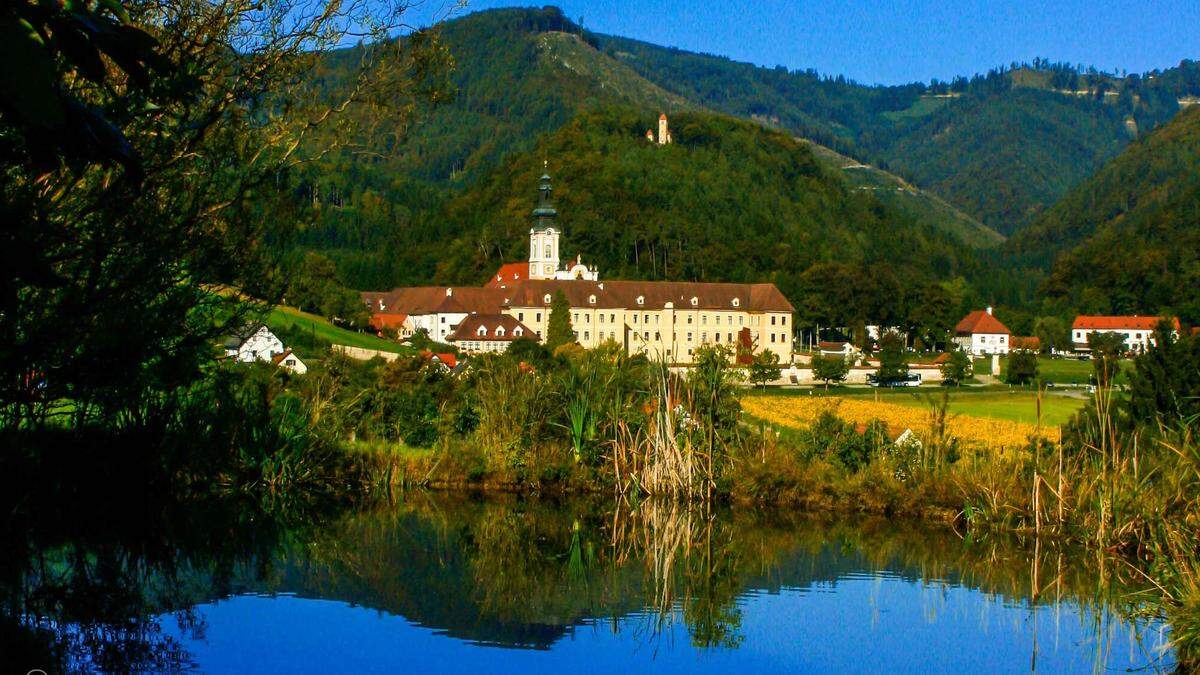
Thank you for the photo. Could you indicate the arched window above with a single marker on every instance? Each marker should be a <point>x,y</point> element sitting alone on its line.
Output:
<point>546,298</point>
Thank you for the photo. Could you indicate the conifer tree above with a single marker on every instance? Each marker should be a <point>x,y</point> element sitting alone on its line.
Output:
<point>558,328</point>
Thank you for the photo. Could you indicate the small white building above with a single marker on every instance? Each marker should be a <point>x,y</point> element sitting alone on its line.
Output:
<point>837,348</point>
<point>481,333</point>
<point>254,343</point>
<point>1138,331</point>
<point>288,360</point>
<point>980,333</point>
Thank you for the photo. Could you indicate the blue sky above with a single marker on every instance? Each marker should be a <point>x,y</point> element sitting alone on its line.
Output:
<point>898,41</point>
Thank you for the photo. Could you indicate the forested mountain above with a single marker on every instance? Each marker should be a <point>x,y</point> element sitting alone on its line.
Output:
<point>648,211</point>
<point>518,74</point>
<point>1128,239</point>
<point>412,207</point>
<point>1002,146</point>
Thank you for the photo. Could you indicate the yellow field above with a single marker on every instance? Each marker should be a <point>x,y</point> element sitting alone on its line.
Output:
<point>798,412</point>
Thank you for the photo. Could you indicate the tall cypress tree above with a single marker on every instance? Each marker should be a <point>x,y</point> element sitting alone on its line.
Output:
<point>558,329</point>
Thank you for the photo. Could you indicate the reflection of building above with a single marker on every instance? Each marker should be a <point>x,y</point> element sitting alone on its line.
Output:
<point>1138,331</point>
<point>664,319</point>
<point>981,333</point>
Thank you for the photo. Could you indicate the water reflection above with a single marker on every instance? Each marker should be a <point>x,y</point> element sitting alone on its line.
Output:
<point>453,584</point>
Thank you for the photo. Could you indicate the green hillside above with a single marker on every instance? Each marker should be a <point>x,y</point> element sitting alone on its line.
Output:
<point>310,335</point>
<point>1002,146</point>
<point>1128,239</point>
<point>518,75</point>
<point>644,211</point>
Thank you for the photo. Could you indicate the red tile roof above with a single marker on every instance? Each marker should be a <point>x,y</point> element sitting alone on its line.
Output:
<point>384,321</point>
<point>1033,344</point>
<point>1119,322</point>
<point>508,274</point>
<point>448,359</point>
<point>980,321</point>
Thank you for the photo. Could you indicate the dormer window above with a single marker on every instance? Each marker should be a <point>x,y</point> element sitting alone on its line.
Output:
<point>695,301</point>
<point>737,302</point>
<point>482,332</point>
<point>518,332</point>
<point>591,299</point>
<point>641,299</point>
<point>500,331</point>
<point>546,298</point>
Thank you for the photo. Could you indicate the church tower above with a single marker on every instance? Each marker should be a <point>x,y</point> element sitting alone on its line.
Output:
<point>664,133</point>
<point>543,236</point>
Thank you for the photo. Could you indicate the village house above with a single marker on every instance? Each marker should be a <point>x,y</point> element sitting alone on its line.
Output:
<point>662,319</point>
<point>1138,331</point>
<point>980,333</point>
<point>480,333</point>
<point>253,343</point>
<point>288,360</point>
<point>837,348</point>
<point>256,342</point>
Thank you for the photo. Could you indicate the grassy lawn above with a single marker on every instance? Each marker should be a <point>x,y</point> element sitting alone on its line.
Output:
<point>1015,406</point>
<point>1058,371</point>
<point>298,325</point>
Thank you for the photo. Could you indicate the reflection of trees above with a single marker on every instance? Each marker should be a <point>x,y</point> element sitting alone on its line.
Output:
<point>498,571</point>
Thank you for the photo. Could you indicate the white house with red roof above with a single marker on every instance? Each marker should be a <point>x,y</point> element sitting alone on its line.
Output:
<point>480,333</point>
<point>1138,331</point>
<point>981,333</point>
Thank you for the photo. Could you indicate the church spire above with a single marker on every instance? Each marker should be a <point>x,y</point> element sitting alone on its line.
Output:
<point>544,212</point>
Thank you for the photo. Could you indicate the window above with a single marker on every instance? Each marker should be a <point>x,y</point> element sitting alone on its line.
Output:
<point>772,320</point>
<point>601,318</point>
<point>635,318</point>
<point>704,319</point>
<point>741,320</point>
<point>443,319</point>
<point>737,302</point>
<point>646,335</point>
<point>772,337</point>
<point>539,316</point>
<point>520,316</point>
<point>574,317</point>
<point>587,318</point>
<point>518,332</point>
<point>547,250</point>
<point>729,337</point>
<point>729,320</point>
<point>716,337</point>
<point>783,320</point>
<point>695,301</point>
<point>689,319</point>
<point>612,318</point>
<point>587,335</point>
<point>592,299</point>
<point>689,337</point>
<point>656,336</point>
<point>500,331</point>
<point>546,298</point>
<point>646,318</point>
<point>481,332</point>
<point>641,299</point>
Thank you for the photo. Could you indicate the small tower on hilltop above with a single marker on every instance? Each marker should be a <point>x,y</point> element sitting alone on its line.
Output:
<point>664,132</point>
<point>543,236</point>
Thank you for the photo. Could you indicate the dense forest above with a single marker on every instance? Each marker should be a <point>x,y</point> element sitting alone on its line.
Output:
<point>1127,240</point>
<point>443,198</point>
<point>1002,145</point>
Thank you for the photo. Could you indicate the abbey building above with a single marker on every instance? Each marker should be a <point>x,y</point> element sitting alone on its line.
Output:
<point>665,320</point>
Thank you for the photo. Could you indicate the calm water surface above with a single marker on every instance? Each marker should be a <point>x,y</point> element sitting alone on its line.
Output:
<point>443,584</point>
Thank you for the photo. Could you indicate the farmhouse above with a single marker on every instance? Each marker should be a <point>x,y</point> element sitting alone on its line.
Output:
<point>288,360</point>
<point>981,333</point>
<point>663,319</point>
<point>1138,331</point>
<point>253,343</point>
